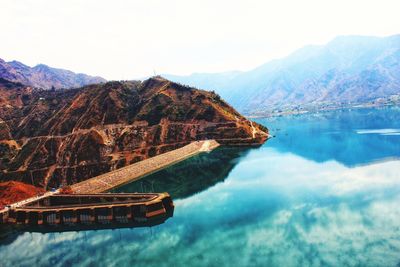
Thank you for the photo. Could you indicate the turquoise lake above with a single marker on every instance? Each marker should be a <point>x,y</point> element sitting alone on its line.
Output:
<point>325,191</point>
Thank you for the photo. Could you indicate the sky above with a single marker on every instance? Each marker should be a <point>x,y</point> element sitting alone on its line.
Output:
<point>133,39</point>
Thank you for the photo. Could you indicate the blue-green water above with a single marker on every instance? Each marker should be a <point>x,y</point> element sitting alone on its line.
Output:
<point>324,192</point>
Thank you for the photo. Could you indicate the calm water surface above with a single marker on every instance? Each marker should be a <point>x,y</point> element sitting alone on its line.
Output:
<point>324,192</point>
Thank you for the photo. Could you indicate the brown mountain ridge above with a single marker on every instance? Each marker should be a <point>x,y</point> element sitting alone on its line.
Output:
<point>48,138</point>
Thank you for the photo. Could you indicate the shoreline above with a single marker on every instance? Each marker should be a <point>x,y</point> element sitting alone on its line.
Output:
<point>313,111</point>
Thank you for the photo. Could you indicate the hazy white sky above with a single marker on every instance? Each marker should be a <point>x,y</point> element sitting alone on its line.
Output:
<point>128,39</point>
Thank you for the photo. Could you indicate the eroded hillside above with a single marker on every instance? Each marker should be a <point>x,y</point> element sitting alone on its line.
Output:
<point>58,137</point>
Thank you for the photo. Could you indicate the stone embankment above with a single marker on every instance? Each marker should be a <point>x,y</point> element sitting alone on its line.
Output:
<point>107,181</point>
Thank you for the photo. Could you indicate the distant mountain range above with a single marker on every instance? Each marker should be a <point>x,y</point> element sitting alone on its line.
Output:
<point>43,76</point>
<point>349,70</point>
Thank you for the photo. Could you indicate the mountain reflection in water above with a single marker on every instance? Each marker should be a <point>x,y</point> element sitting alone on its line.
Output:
<point>339,135</point>
<point>191,176</point>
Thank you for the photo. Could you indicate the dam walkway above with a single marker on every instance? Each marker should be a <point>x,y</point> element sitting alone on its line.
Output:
<point>127,174</point>
<point>36,206</point>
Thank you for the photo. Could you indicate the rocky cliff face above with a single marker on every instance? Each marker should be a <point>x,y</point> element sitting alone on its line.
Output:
<point>43,76</point>
<point>58,137</point>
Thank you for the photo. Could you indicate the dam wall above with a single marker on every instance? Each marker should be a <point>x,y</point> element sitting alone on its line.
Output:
<point>124,175</point>
<point>83,209</point>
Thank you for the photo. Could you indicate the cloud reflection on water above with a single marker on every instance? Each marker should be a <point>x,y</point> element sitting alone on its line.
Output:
<point>274,209</point>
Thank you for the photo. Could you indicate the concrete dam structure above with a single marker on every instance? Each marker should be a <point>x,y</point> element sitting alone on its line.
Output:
<point>130,173</point>
<point>90,207</point>
<point>85,210</point>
